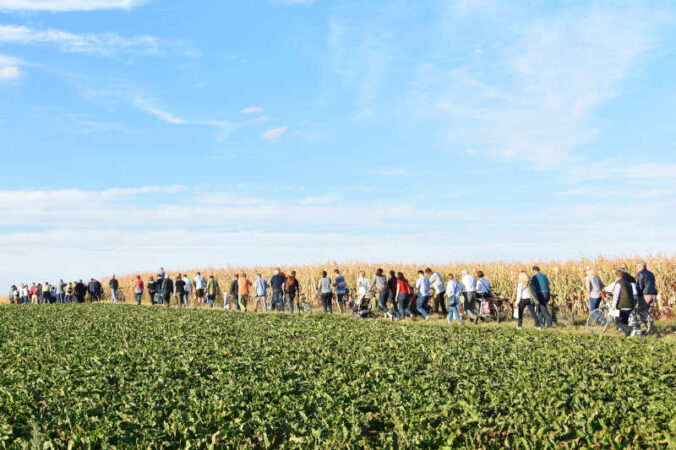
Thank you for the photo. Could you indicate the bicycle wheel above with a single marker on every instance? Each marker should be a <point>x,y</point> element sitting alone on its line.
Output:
<point>564,317</point>
<point>644,323</point>
<point>598,321</point>
<point>502,312</point>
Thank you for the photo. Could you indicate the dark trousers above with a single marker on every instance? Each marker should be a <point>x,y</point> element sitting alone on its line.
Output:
<point>522,306</point>
<point>622,322</point>
<point>544,311</point>
<point>439,302</point>
<point>327,302</point>
<point>470,303</point>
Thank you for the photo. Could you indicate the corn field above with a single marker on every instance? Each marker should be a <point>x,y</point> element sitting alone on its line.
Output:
<point>566,278</point>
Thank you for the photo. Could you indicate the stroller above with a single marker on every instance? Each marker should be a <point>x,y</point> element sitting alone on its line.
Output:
<point>361,308</point>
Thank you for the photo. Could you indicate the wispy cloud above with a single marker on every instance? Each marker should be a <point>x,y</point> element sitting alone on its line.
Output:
<point>535,99</point>
<point>67,5</point>
<point>9,68</point>
<point>252,110</point>
<point>107,44</point>
<point>325,199</point>
<point>274,134</point>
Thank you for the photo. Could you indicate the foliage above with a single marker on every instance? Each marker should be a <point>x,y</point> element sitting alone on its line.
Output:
<point>103,375</point>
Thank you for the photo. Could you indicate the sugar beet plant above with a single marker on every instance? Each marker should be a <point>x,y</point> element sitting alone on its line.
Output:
<point>120,376</point>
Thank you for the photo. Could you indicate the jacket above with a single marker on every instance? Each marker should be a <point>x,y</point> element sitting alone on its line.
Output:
<point>167,285</point>
<point>646,283</point>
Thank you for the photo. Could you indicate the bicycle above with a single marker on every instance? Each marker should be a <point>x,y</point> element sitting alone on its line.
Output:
<point>489,308</point>
<point>562,316</point>
<point>599,319</point>
<point>640,319</point>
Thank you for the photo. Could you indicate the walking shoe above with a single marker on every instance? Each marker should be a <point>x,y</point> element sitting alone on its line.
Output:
<point>518,328</point>
<point>538,328</point>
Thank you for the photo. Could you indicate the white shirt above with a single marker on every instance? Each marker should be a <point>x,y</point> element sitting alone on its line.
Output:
<point>453,288</point>
<point>363,285</point>
<point>188,283</point>
<point>200,282</point>
<point>468,283</point>
<point>522,292</point>
<point>23,292</point>
<point>423,286</point>
<point>437,283</point>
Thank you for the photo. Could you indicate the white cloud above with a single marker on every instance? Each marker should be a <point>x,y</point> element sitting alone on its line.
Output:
<point>534,100</point>
<point>107,44</point>
<point>9,73</point>
<point>148,106</point>
<point>274,134</point>
<point>252,110</point>
<point>325,199</point>
<point>67,5</point>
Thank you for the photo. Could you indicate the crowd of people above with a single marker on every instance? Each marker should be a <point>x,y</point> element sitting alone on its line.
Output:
<point>392,293</point>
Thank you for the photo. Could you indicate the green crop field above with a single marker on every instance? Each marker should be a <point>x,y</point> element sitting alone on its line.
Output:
<point>119,376</point>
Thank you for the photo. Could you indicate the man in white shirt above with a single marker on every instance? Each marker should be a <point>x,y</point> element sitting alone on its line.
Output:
<point>363,284</point>
<point>200,286</point>
<point>423,287</point>
<point>468,286</point>
<point>437,282</point>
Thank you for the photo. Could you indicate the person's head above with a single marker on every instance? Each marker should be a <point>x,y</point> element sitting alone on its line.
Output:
<point>293,274</point>
<point>536,269</point>
<point>61,280</point>
<point>642,265</point>
<point>450,276</point>
<point>236,276</point>
<point>277,270</point>
<point>211,277</point>
<point>362,273</point>
<point>162,269</point>
<point>258,275</point>
<point>392,273</point>
<point>198,274</point>
<point>152,279</point>
<point>138,277</point>
<point>324,274</point>
<point>113,277</point>
<point>336,271</point>
<point>591,272</point>
<point>400,276</point>
<point>479,274</point>
<point>379,272</point>
<point>523,277</point>
<point>428,271</point>
<point>80,280</point>
<point>421,273</point>
<point>619,274</point>
<point>243,275</point>
<point>465,272</point>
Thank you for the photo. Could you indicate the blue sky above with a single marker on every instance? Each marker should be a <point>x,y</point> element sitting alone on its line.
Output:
<point>136,133</point>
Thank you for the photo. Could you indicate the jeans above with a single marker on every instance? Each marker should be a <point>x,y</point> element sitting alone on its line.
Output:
<point>339,297</point>
<point>242,301</point>
<point>60,298</point>
<point>404,310</point>
<point>137,297</point>
<point>622,321</point>
<point>543,309</point>
<point>594,304</point>
<point>24,299</point>
<point>327,298</point>
<point>382,299</point>
<point>277,300</point>
<point>151,297</point>
<point>289,301</point>
<point>210,299</point>
<point>421,305</point>
<point>453,313</point>
<point>113,295</point>
<point>531,308</point>
<point>263,301</point>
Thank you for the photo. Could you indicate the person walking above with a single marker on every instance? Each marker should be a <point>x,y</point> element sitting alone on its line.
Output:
<point>291,290</point>
<point>138,289</point>
<point>453,291</point>
<point>160,286</point>
<point>243,292</point>
<point>24,293</point>
<point>526,295</point>
<point>188,289</point>
<point>234,291</point>
<point>152,290</point>
<point>541,283</point>
<point>46,294</point>
<point>277,285</point>
<point>623,302</point>
<point>179,291</point>
<point>80,291</point>
<point>261,287</point>
<point>594,287</point>
<point>60,292</point>
<point>363,284</point>
<point>437,283</point>
<point>403,294</point>
<point>381,287</point>
<point>645,282</point>
<point>483,287</point>
<point>200,286</point>
<point>392,291</point>
<point>326,293</point>
<point>212,290</point>
<point>113,285</point>
<point>468,287</point>
<point>340,288</point>
<point>167,289</point>
<point>422,285</point>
